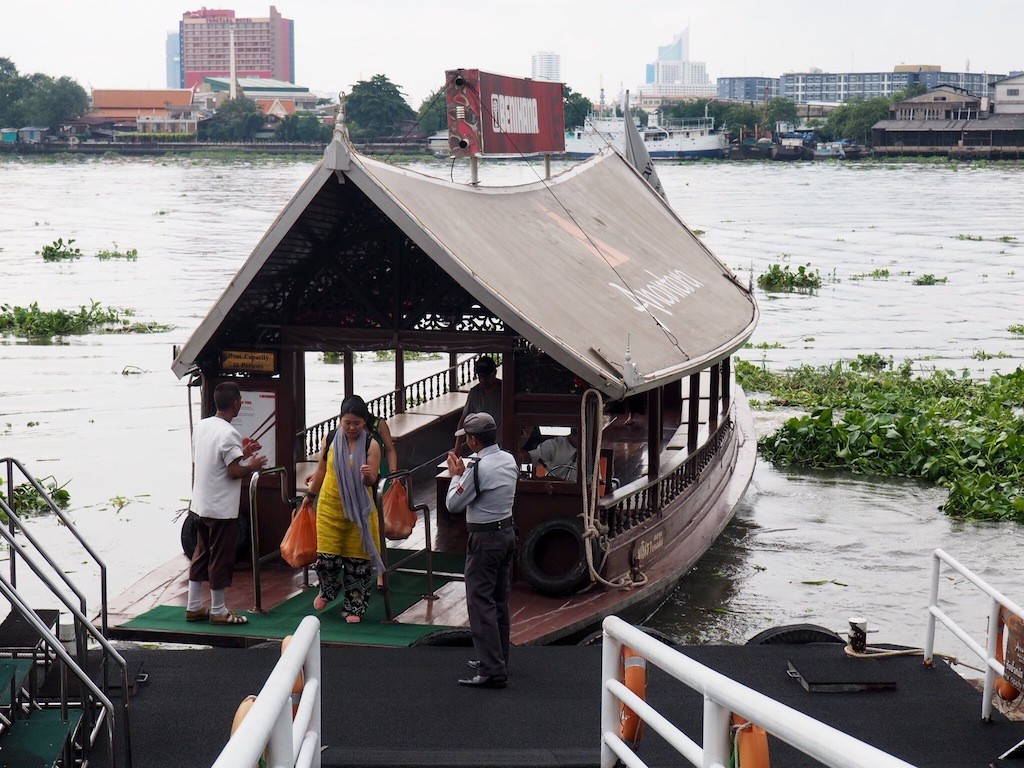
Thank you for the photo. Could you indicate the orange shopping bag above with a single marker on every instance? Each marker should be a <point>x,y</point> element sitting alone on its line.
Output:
<point>399,517</point>
<point>298,547</point>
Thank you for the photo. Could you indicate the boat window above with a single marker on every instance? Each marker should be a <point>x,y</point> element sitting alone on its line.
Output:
<point>549,452</point>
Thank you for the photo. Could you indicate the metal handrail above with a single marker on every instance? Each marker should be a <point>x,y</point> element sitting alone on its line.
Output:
<point>81,622</point>
<point>29,616</point>
<point>11,463</point>
<point>988,654</point>
<point>254,532</point>
<point>404,476</point>
<point>268,729</point>
<point>722,695</point>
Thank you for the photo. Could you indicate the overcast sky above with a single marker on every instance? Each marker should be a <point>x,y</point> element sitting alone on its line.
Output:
<point>121,43</point>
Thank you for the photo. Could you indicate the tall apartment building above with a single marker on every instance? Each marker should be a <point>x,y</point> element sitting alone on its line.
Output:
<point>264,47</point>
<point>748,88</point>
<point>674,76</point>
<point>837,87</point>
<point>546,65</point>
<point>174,60</point>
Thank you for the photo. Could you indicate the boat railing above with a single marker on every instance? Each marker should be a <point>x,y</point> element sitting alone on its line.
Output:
<point>268,734</point>
<point>385,406</point>
<point>643,499</point>
<point>989,653</point>
<point>254,523</point>
<point>14,524</point>
<point>722,696</point>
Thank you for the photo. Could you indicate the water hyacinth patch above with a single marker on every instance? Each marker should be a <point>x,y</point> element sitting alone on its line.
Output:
<point>963,434</point>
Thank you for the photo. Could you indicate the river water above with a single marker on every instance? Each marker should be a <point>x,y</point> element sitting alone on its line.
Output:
<point>104,414</point>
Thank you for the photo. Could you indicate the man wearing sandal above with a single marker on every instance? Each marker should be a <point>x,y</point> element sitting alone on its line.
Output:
<point>217,451</point>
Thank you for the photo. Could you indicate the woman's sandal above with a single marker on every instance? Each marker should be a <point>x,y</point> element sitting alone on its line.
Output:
<point>319,603</point>
<point>228,618</point>
<point>351,618</point>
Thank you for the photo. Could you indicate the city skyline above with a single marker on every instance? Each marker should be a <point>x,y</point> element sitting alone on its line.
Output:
<point>121,44</point>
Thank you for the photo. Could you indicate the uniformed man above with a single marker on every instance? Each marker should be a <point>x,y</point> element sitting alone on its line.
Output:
<point>486,492</point>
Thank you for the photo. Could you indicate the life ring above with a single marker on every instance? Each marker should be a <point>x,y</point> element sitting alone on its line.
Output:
<point>634,677</point>
<point>241,712</point>
<point>1006,690</point>
<point>751,745</point>
<point>553,557</point>
<point>300,681</point>
<point>188,537</point>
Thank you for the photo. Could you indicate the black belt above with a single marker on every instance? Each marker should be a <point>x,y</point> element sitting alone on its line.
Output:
<point>497,525</point>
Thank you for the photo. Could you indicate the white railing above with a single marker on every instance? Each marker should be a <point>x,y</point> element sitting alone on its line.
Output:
<point>722,696</point>
<point>268,730</point>
<point>987,654</point>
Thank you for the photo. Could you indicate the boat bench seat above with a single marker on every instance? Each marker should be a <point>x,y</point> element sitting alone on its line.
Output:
<point>404,424</point>
<point>439,406</point>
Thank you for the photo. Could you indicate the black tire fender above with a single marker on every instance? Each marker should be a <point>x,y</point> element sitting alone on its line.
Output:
<point>795,634</point>
<point>553,556</point>
<point>454,637</point>
<point>188,537</point>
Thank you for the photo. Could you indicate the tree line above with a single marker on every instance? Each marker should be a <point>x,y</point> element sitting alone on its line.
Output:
<point>377,108</point>
<point>38,100</point>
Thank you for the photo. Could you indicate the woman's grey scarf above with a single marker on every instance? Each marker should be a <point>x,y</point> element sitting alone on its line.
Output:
<point>355,499</point>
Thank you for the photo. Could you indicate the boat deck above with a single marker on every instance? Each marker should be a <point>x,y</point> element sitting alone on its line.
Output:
<point>411,713</point>
<point>153,608</point>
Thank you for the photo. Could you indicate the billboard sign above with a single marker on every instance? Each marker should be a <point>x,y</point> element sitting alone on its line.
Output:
<point>492,114</point>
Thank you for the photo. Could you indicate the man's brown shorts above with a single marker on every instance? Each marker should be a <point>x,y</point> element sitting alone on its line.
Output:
<point>214,557</point>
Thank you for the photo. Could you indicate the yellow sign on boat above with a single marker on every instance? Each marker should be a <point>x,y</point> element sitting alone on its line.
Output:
<point>247,361</point>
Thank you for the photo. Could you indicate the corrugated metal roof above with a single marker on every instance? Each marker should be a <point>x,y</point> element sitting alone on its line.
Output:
<point>581,266</point>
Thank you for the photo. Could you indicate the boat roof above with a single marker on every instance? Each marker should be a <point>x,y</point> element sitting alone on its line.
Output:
<point>591,266</point>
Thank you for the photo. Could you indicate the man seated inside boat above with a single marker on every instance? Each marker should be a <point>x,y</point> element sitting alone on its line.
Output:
<point>553,452</point>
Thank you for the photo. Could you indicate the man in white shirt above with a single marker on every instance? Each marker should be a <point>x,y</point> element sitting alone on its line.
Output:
<point>218,450</point>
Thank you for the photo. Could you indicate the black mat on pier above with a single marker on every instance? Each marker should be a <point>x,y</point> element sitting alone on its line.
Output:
<point>401,707</point>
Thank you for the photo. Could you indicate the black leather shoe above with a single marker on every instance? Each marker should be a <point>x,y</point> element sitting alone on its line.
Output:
<point>485,681</point>
<point>473,664</point>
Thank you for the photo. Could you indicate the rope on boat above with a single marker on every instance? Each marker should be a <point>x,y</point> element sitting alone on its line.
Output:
<point>593,529</point>
<point>881,653</point>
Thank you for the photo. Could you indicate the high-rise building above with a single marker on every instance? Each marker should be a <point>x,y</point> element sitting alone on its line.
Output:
<point>838,87</point>
<point>174,60</point>
<point>263,47</point>
<point>546,65</point>
<point>674,76</point>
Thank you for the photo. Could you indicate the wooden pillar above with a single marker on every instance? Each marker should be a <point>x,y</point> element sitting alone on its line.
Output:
<point>507,438</point>
<point>693,418</point>
<point>453,374</point>
<point>296,383</point>
<point>715,390</point>
<point>399,380</point>
<point>349,359</point>
<point>726,384</point>
<point>653,432</point>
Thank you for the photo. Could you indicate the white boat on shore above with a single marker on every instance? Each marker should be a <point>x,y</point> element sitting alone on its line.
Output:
<point>686,139</point>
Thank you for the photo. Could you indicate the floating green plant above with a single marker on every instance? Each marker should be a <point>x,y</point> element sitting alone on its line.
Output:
<point>785,279</point>
<point>28,501</point>
<point>35,323</point>
<point>930,279</point>
<point>1017,328</point>
<point>963,434</point>
<point>131,254</point>
<point>58,250</point>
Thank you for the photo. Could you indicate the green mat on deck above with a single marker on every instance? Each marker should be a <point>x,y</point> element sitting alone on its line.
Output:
<point>281,621</point>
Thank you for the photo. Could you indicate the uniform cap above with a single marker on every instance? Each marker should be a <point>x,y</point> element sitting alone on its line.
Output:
<point>477,424</point>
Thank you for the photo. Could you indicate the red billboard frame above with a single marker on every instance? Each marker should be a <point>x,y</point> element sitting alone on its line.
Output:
<point>491,114</point>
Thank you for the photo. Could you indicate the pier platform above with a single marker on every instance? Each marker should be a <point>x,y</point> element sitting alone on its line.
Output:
<point>385,708</point>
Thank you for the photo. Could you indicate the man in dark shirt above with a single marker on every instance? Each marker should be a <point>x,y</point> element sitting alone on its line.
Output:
<point>484,397</point>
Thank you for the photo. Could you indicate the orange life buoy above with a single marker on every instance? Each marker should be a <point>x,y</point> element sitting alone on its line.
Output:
<point>634,677</point>
<point>1003,687</point>
<point>241,712</point>
<point>751,744</point>
<point>299,681</point>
